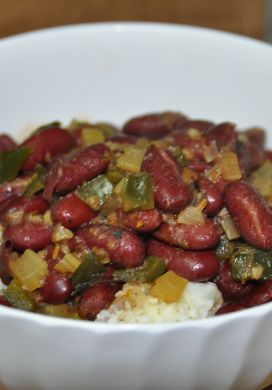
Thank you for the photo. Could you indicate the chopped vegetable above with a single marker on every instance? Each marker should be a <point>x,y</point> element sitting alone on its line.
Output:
<point>225,248</point>
<point>18,297</point>
<point>91,136</point>
<point>191,215</point>
<point>89,270</point>
<point>228,225</point>
<point>61,310</point>
<point>169,287</point>
<point>178,153</point>
<point>248,263</point>
<point>30,270</point>
<point>230,166</point>
<point>11,163</point>
<point>210,152</point>
<point>68,264</point>
<point>152,268</point>
<point>131,160</point>
<point>60,233</point>
<point>47,218</point>
<point>261,179</point>
<point>114,174</point>
<point>37,182</point>
<point>137,192</point>
<point>95,192</point>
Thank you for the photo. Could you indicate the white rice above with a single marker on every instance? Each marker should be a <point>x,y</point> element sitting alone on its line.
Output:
<point>134,304</point>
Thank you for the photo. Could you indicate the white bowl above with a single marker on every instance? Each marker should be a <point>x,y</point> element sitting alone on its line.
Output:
<point>111,72</point>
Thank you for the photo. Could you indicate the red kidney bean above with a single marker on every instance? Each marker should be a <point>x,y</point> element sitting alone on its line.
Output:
<point>4,301</point>
<point>250,156</point>
<point>192,237</point>
<point>123,139</point>
<point>170,192</point>
<point>4,262</point>
<point>261,294</point>
<point>57,288</point>
<point>224,134</point>
<point>46,144</point>
<point>196,146</point>
<point>152,125</point>
<point>141,221</point>
<point>198,166</point>
<point>255,136</point>
<point>95,299</point>
<point>192,265</point>
<point>6,143</point>
<point>13,189</point>
<point>230,308</point>
<point>251,214</point>
<point>68,172</point>
<point>71,212</point>
<point>230,289</point>
<point>213,196</point>
<point>124,247</point>
<point>28,235</point>
<point>200,125</point>
<point>28,205</point>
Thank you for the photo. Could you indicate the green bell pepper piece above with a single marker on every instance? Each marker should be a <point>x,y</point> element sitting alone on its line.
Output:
<point>137,192</point>
<point>11,163</point>
<point>152,268</point>
<point>95,192</point>
<point>89,270</point>
<point>18,297</point>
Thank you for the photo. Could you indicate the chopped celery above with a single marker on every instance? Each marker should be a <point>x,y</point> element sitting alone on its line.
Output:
<point>69,263</point>
<point>131,160</point>
<point>114,175</point>
<point>61,310</point>
<point>30,270</point>
<point>180,156</point>
<point>11,163</point>
<point>91,136</point>
<point>261,179</point>
<point>89,270</point>
<point>137,192</point>
<point>18,297</point>
<point>95,192</point>
<point>60,233</point>
<point>152,268</point>
<point>37,182</point>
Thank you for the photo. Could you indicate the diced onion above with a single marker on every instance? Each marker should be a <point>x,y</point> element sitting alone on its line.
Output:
<point>91,136</point>
<point>169,287</point>
<point>194,133</point>
<point>210,152</point>
<point>30,269</point>
<point>131,160</point>
<point>191,215</point>
<point>68,264</point>
<point>60,233</point>
<point>47,219</point>
<point>228,225</point>
<point>230,166</point>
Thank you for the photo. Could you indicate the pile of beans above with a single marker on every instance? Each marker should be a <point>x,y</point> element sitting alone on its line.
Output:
<point>186,170</point>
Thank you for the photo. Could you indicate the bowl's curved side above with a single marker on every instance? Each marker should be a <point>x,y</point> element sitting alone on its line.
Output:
<point>228,353</point>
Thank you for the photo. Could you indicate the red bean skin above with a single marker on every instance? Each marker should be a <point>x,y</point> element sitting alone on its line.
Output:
<point>261,294</point>
<point>251,214</point>
<point>200,125</point>
<point>13,189</point>
<point>124,247</point>
<point>28,205</point>
<point>141,221</point>
<point>56,289</point>
<point>71,212</point>
<point>192,265</point>
<point>69,172</point>
<point>4,263</point>
<point>213,196</point>
<point>230,289</point>
<point>193,237</point>
<point>123,139</point>
<point>230,308</point>
<point>152,126</point>
<point>28,235</point>
<point>224,134</point>
<point>6,143</point>
<point>196,146</point>
<point>4,301</point>
<point>95,299</point>
<point>250,155</point>
<point>47,144</point>
<point>171,194</point>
